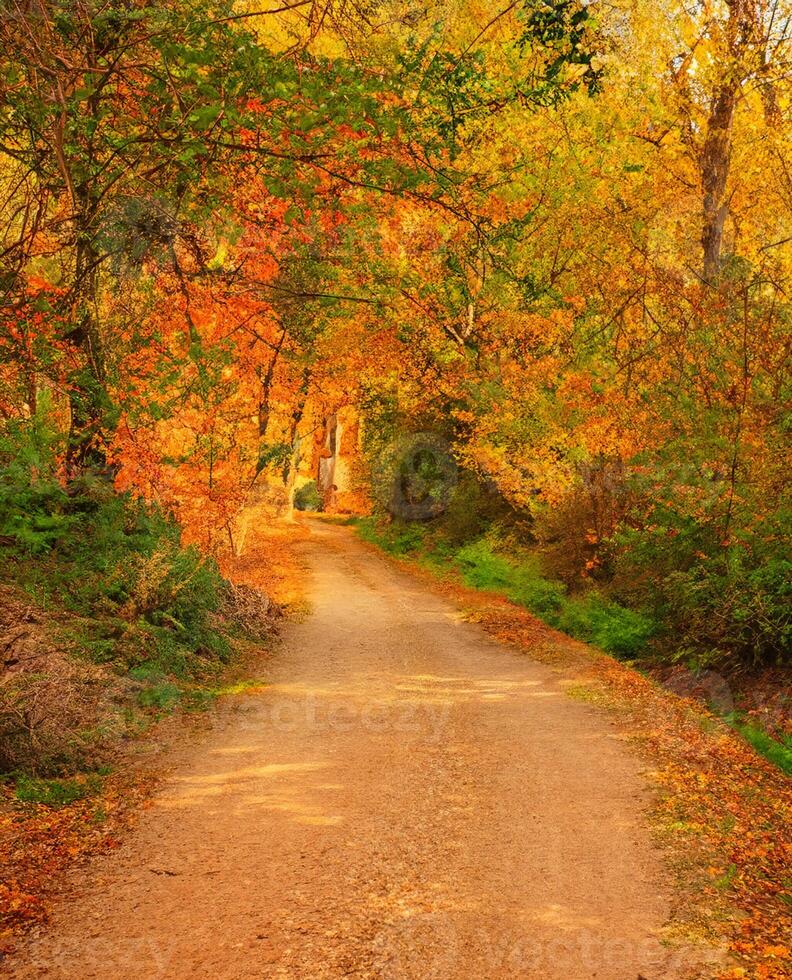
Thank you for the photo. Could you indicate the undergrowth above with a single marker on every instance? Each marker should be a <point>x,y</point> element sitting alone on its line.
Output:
<point>56,792</point>
<point>778,751</point>
<point>109,622</point>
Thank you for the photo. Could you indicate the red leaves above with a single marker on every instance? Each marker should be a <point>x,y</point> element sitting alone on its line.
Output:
<point>37,842</point>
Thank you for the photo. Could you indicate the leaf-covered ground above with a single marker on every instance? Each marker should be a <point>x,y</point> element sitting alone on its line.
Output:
<point>38,842</point>
<point>723,813</point>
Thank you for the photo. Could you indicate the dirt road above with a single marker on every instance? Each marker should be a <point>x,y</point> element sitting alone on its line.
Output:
<point>407,800</point>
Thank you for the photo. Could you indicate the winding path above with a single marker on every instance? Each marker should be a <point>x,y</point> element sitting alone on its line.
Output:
<point>409,799</point>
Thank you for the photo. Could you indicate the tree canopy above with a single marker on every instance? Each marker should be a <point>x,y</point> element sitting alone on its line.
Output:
<point>555,232</point>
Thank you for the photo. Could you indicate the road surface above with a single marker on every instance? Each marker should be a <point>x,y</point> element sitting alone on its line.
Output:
<point>408,799</point>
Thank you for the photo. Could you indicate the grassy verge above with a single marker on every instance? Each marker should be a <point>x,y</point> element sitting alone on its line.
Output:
<point>590,617</point>
<point>779,752</point>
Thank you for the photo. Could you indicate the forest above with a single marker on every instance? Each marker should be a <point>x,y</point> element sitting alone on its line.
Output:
<point>504,286</point>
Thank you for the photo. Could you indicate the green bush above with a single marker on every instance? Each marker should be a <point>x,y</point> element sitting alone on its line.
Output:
<point>622,632</point>
<point>117,599</point>
<point>115,563</point>
<point>472,510</point>
<point>34,508</point>
<point>727,601</point>
<point>307,497</point>
<point>731,603</point>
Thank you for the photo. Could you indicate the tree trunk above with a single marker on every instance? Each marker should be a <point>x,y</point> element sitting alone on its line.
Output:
<point>292,465</point>
<point>715,162</point>
<point>87,394</point>
<point>743,35</point>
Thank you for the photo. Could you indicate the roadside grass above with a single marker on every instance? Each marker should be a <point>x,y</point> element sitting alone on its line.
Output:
<point>165,697</point>
<point>589,616</point>
<point>777,752</point>
<point>162,697</point>
<point>56,792</point>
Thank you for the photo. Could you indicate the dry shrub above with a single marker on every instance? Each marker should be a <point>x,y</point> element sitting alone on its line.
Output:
<point>572,532</point>
<point>48,699</point>
<point>566,540</point>
<point>252,609</point>
<point>149,574</point>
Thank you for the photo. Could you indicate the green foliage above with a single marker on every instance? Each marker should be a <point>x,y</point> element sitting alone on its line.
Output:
<point>555,55</point>
<point>33,505</point>
<point>397,539</point>
<point>622,632</point>
<point>276,455</point>
<point>138,625</point>
<point>777,752</point>
<point>56,792</point>
<point>307,497</point>
<point>565,31</point>
<point>135,595</point>
<point>543,597</point>
<point>472,510</point>
<point>163,696</point>
<point>728,602</point>
<point>483,569</point>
